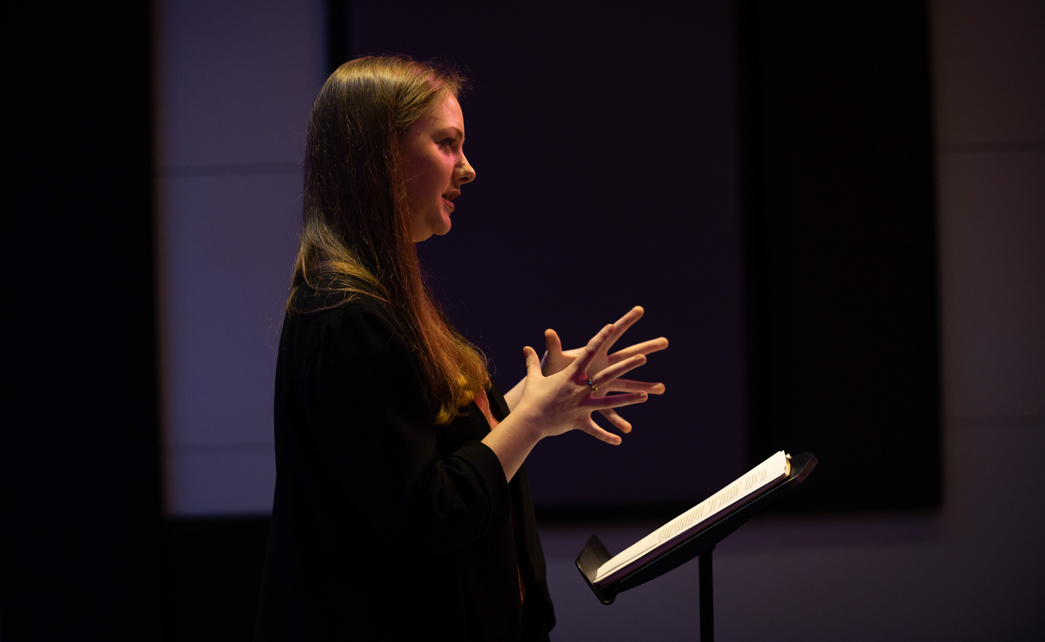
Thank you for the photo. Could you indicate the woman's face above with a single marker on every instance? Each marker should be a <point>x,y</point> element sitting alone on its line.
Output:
<point>435,167</point>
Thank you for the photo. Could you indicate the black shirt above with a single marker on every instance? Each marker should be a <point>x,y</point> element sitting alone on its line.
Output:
<point>384,525</point>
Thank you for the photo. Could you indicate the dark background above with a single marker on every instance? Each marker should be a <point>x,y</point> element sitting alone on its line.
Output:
<point>796,281</point>
<point>839,219</point>
<point>802,305</point>
<point>605,145</point>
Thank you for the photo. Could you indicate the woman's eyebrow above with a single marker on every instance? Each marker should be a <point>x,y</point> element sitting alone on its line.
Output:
<point>451,128</point>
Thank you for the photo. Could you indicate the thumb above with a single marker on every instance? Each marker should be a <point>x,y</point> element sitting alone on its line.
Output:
<point>533,363</point>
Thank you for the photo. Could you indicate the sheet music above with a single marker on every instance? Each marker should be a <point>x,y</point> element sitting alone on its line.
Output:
<point>758,477</point>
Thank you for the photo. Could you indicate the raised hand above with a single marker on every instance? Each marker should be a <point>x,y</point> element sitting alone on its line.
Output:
<point>565,400</point>
<point>556,360</point>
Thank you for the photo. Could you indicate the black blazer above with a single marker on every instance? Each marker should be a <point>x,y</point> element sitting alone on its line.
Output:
<point>384,526</point>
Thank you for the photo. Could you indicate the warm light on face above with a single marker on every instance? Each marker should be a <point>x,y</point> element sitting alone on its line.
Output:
<point>435,168</point>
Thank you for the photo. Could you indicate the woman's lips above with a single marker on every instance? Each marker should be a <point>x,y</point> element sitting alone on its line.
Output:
<point>448,203</point>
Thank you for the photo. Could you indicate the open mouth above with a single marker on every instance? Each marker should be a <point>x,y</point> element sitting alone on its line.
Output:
<point>448,203</point>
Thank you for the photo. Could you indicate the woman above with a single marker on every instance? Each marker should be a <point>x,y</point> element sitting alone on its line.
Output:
<point>401,509</point>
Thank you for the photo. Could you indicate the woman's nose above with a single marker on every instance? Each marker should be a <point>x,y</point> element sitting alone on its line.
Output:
<point>467,172</point>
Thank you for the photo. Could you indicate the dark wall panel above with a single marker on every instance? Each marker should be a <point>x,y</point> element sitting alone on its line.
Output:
<point>79,447</point>
<point>604,143</point>
<point>840,242</point>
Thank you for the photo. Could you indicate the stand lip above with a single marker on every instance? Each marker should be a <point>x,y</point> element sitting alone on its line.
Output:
<point>593,548</point>
<point>802,465</point>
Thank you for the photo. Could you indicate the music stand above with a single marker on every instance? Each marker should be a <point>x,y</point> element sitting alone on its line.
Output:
<point>698,544</point>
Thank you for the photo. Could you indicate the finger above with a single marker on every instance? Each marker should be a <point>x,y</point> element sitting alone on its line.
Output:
<point>618,422</point>
<point>624,323</point>
<point>614,401</point>
<point>553,351</point>
<point>630,385</point>
<point>587,355</point>
<point>646,347</point>
<point>616,370</point>
<point>589,426</point>
<point>533,364</point>
<point>552,342</point>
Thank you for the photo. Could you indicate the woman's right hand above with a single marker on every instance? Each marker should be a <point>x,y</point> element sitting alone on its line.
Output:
<point>564,401</point>
<point>559,403</point>
<point>555,359</point>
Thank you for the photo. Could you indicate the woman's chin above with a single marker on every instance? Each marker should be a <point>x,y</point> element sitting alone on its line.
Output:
<point>443,227</point>
<point>437,227</point>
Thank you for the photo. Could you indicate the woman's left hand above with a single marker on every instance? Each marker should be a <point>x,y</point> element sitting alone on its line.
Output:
<point>559,403</point>
<point>556,359</point>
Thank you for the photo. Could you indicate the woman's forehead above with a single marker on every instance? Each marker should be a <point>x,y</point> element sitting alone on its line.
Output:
<point>445,113</point>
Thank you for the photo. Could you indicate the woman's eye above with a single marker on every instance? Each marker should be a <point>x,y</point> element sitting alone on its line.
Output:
<point>447,141</point>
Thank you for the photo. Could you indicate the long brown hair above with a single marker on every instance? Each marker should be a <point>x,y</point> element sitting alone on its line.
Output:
<point>355,238</point>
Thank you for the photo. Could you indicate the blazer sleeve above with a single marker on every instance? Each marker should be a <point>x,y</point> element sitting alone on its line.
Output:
<point>367,409</point>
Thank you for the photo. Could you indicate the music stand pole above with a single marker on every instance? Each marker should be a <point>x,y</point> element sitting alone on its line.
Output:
<point>707,607</point>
